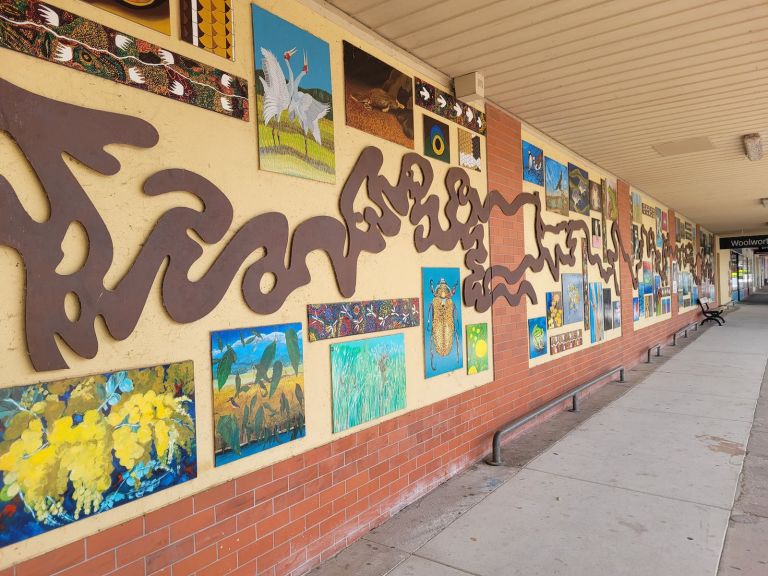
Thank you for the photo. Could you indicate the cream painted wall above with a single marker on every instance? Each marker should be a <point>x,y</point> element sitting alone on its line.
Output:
<point>542,281</point>
<point>223,150</point>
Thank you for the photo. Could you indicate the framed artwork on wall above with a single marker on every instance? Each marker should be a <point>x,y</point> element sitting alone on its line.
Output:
<point>443,350</point>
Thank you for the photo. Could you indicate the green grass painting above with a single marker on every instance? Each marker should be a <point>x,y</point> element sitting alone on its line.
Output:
<point>368,380</point>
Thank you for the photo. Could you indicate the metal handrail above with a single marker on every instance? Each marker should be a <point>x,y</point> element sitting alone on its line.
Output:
<point>495,459</point>
<point>656,347</point>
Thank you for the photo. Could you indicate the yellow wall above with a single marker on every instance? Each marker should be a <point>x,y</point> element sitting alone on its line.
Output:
<point>224,150</point>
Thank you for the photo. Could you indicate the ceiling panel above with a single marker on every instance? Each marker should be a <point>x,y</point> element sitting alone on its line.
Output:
<point>612,78</point>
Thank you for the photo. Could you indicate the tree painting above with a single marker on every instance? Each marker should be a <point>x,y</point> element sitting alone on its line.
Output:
<point>368,380</point>
<point>73,448</point>
<point>258,389</point>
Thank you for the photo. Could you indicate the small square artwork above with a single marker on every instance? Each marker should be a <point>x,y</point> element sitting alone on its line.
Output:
<point>597,234</point>
<point>556,186</point>
<point>616,314</point>
<point>378,97</point>
<point>595,196</point>
<point>477,348</point>
<point>295,115</point>
<point>258,389</point>
<point>533,164</point>
<point>469,150</point>
<point>443,350</point>
<point>554,309</point>
<point>437,140</point>
<point>610,205</point>
<point>578,188</point>
<point>573,296</point>
<point>607,309</point>
<point>537,337</point>
<point>367,380</point>
<point>635,309</point>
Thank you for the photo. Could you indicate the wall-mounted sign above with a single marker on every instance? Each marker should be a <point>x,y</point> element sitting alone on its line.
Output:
<point>744,242</point>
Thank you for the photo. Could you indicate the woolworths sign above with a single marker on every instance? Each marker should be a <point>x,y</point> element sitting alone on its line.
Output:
<point>744,242</point>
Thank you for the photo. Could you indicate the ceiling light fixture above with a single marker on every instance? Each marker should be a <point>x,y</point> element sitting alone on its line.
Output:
<point>753,146</point>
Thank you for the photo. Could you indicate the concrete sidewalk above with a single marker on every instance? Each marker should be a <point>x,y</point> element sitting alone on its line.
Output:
<point>645,486</point>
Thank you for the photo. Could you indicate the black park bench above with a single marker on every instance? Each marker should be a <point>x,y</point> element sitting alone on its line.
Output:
<point>711,314</point>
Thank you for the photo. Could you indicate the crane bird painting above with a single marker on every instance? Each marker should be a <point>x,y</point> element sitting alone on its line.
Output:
<point>294,99</point>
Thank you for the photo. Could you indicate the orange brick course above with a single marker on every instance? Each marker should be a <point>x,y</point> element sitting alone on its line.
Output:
<point>287,518</point>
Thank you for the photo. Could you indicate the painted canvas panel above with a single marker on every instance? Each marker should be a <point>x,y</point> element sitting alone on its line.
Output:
<point>294,104</point>
<point>343,319</point>
<point>649,305</point>
<point>595,196</point>
<point>437,139</point>
<point>556,186</point>
<point>153,14</point>
<point>664,221</point>
<point>585,282</point>
<point>367,380</point>
<point>610,203</point>
<point>446,105</point>
<point>533,164</point>
<point>554,309</point>
<point>566,341</point>
<point>616,314</point>
<point>596,312</point>
<point>578,188</point>
<point>378,98</point>
<point>637,208</point>
<point>607,309</point>
<point>659,237</point>
<point>207,24</point>
<point>258,389</point>
<point>441,289</point>
<point>469,150</point>
<point>64,38</point>
<point>641,305</point>
<point>477,348</point>
<point>635,309</point>
<point>573,298</point>
<point>597,234</point>
<point>537,337</point>
<point>73,448</point>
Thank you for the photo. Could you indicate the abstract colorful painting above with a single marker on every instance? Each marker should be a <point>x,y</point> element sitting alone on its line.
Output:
<point>153,14</point>
<point>258,389</point>
<point>294,109</point>
<point>378,97</point>
<point>343,319</point>
<point>61,37</point>
<point>595,196</point>
<point>597,234</point>
<point>635,309</point>
<point>367,380</point>
<point>554,309</point>
<point>659,236</point>
<point>437,139</point>
<point>607,310</point>
<point>556,186</point>
<point>573,298</point>
<point>207,24</point>
<point>616,314</point>
<point>566,341</point>
<point>610,204</point>
<point>596,312</point>
<point>441,289</point>
<point>477,348</point>
<point>533,164</point>
<point>537,337</point>
<point>578,189</point>
<point>76,447</point>
<point>637,208</point>
<point>641,305</point>
<point>445,105</point>
<point>469,151</point>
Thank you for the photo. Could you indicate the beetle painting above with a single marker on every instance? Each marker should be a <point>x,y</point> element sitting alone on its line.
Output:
<point>443,350</point>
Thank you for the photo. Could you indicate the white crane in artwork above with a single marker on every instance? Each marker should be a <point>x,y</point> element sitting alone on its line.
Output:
<point>306,109</point>
<point>277,91</point>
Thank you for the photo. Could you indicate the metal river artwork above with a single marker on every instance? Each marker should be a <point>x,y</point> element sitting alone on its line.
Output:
<point>45,130</point>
